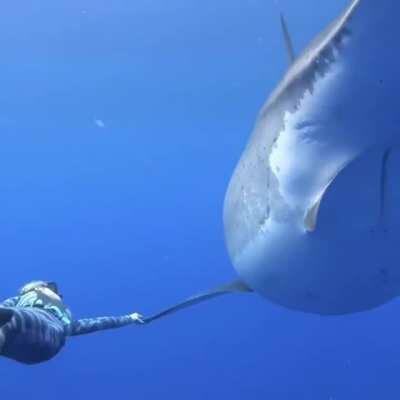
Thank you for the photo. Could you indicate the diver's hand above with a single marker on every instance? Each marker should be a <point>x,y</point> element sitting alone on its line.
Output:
<point>137,318</point>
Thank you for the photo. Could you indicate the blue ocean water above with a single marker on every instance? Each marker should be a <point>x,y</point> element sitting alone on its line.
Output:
<point>121,123</point>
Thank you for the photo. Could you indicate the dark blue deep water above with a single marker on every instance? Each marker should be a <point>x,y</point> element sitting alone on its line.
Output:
<point>121,122</point>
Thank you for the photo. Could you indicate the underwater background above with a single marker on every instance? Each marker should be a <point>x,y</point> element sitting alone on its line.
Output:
<point>121,123</point>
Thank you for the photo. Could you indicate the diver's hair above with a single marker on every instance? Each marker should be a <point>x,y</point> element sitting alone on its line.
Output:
<point>28,287</point>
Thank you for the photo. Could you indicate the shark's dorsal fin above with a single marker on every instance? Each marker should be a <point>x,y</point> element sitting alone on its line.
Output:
<point>288,40</point>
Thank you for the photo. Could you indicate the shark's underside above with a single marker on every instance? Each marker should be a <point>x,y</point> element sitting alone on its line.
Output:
<point>311,216</point>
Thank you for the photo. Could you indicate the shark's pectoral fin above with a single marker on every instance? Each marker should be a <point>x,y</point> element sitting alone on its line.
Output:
<point>361,194</point>
<point>311,216</point>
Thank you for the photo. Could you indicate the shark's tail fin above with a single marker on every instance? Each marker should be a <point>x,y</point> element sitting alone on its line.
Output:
<point>232,287</point>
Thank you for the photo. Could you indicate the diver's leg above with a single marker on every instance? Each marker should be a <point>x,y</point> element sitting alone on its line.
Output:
<point>2,339</point>
<point>5,315</point>
<point>32,336</point>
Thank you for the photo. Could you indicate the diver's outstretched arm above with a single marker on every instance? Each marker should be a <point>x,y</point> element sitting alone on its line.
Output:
<point>84,326</point>
<point>90,325</point>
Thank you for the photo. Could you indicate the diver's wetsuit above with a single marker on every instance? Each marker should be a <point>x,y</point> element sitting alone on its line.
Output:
<point>34,327</point>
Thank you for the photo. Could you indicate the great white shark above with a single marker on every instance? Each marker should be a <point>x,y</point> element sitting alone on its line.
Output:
<point>312,211</point>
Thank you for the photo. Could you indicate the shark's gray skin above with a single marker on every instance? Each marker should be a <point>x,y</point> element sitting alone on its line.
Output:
<point>312,212</point>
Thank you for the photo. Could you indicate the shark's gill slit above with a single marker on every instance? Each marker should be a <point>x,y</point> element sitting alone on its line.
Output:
<point>383,185</point>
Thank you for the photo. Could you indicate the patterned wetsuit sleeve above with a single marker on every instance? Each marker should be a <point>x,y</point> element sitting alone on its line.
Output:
<point>11,302</point>
<point>89,325</point>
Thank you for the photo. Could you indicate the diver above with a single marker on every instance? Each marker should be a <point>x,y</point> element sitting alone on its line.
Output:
<point>35,325</point>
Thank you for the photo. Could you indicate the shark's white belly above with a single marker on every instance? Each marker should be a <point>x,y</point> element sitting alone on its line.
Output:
<point>311,214</point>
<point>348,262</point>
